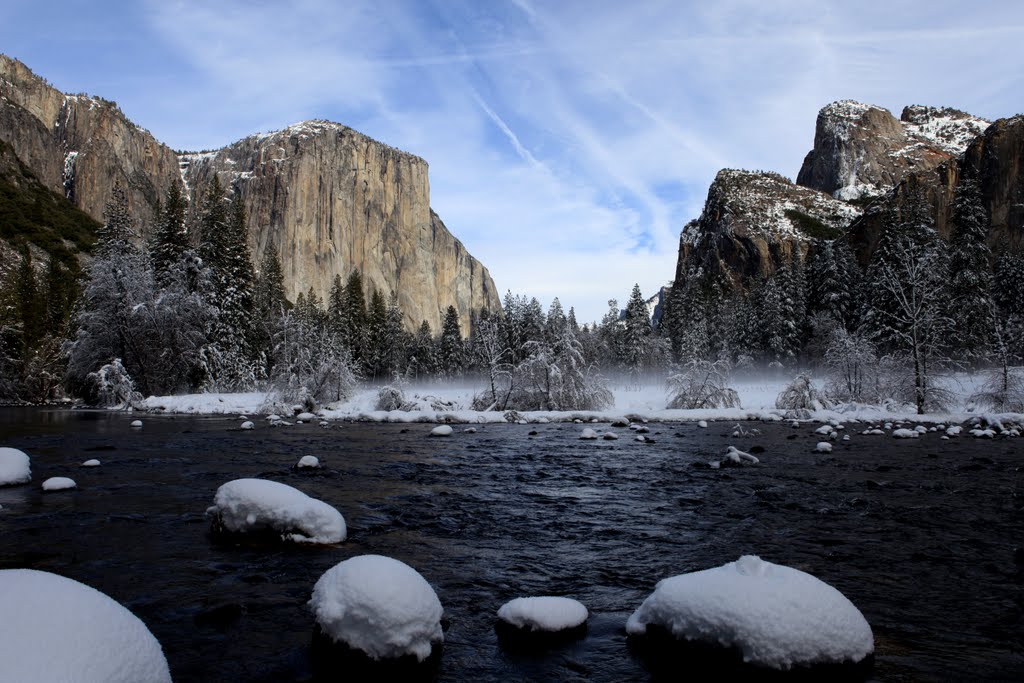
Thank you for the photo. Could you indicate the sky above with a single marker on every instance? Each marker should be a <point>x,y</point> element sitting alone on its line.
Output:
<point>569,141</point>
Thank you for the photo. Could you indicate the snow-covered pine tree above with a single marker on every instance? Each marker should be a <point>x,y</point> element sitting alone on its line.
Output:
<point>556,321</point>
<point>908,304</point>
<point>422,352</point>
<point>269,305</point>
<point>451,359</point>
<point>970,270</point>
<point>354,317</point>
<point>636,333</point>
<point>396,339</point>
<point>376,330</point>
<point>170,240</point>
<point>1009,299</point>
<point>231,361</point>
<point>117,231</point>
<point>834,282</point>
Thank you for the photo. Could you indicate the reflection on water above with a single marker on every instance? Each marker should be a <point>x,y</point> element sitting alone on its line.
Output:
<point>920,535</point>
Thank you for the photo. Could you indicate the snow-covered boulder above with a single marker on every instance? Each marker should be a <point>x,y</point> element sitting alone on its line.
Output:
<point>703,424</point>
<point>91,462</point>
<point>588,434</point>
<point>610,436</point>
<point>904,433</point>
<point>823,447</point>
<point>544,614</point>
<point>308,462</point>
<point>776,616</point>
<point>57,629</point>
<point>734,457</point>
<point>954,430</point>
<point>620,422</point>
<point>136,423</point>
<point>254,505</point>
<point>15,467</point>
<point>59,484</point>
<point>378,605</point>
<point>441,430</point>
<point>248,424</point>
<point>824,430</point>
<point>305,417</point>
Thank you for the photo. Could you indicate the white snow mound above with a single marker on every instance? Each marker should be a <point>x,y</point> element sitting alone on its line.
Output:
<point>56,629</point>
<point>378,605</point>
<point>59,484</point>
<point>823,447</point>
<point>588,434</point>
<point>442,430</point>
<point>93,462</point>
<point>905,434</point>
<point>308,461</point>
<point>248,424</point>
<point>550,614</point>
<point>136,423</point>
<point>776,616</point>
<point>15,467</point>
<point>246,505</point>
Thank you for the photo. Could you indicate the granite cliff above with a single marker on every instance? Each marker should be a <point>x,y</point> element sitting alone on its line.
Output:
<point>753,221</point>
<point>863,151</point>
<point>329,199</point>
<point>990,169</point>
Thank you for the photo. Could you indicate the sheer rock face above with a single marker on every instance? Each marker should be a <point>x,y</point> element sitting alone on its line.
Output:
<point>992,164</point>
<point>861,150</point>
<point>329,199</point>
<point>80,146</point>
<point>753,221</point>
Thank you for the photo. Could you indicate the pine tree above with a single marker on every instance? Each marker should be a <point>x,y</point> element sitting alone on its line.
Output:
<point>970,268</point>
<point>422,354</point>
<point>556,322</point>
<point>170,240</point>
<point>908,313</point>
<point>396,340</point>
<point>355,316</point>
<point>117,231</point>
<point>450,349</point>
<point>269,305</point>
<point>374,361</point>
<point>636,332</point>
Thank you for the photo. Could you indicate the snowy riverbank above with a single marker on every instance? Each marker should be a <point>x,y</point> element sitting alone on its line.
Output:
<point>449,402</point>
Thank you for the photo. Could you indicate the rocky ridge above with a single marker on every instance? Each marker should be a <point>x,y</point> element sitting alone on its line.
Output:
<point>329,199</point>
<point>753,220</point>
<point>992,168</point>
<point>862,151</point>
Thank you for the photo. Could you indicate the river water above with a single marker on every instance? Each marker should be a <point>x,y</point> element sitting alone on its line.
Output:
<point>926,537</point>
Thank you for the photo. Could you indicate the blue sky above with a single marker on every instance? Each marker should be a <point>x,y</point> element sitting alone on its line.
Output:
<point>568,141</point>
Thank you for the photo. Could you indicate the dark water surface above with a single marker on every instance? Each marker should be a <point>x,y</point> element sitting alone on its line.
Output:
<point>925,537</point>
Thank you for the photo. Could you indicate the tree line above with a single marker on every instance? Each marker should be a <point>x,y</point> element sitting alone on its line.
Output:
<point>921,307</point>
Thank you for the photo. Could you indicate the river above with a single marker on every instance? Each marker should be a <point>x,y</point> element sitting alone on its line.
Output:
<point>926,537</point>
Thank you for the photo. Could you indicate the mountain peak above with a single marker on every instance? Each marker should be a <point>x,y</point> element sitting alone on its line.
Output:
<point>861,150</point>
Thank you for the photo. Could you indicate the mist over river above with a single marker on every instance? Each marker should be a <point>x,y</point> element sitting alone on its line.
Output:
<point>924,536</point>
